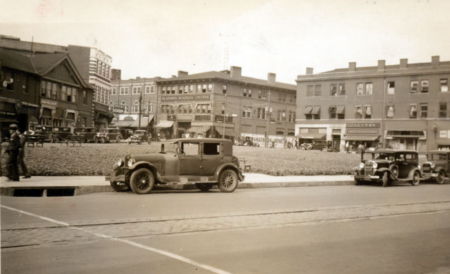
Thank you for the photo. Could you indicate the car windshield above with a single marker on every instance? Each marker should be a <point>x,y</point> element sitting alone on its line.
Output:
<point>384,156</point>
<point>435,157</point>
<point>171,147</point>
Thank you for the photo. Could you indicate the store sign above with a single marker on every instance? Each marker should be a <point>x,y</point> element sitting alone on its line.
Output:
<point>7,113</point>
<point>49,102</point>
<point>364,125</point>
<point>118,110</point>
<point>185,97</point>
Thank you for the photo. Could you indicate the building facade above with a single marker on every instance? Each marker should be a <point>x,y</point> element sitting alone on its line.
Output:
<point>93,65</point>
<point>404,106</point>
<point>225,104</point>
<point>42,90</point>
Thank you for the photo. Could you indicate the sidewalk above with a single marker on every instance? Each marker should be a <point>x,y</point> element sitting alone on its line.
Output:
<point>92,184</point>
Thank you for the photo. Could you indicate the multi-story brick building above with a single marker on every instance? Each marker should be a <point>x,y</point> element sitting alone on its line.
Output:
<point>199,104</point>
<point>131,98</point>
<point>42,89</point>
<point>93,65</point>
<point>405,106</point>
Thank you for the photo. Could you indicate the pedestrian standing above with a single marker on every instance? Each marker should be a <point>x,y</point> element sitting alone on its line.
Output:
<point>347,145</point>
<point>13,153</point>
<point>21,158</point>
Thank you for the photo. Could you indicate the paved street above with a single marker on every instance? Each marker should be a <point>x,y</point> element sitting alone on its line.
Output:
<point>341,229</point>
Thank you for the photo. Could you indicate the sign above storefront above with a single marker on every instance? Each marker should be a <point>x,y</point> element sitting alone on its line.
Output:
<point>49,102</point>
<point>364,125</point>
<point>185,97</point>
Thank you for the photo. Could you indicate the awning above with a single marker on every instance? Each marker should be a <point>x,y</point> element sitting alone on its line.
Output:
<point>406,134</point>
<point>122,124</point>
<point>316,136</point>
<point>164,124</point>
<point>316,110</point>
<point>340,110</point>
<point>361,137</point>
<point>199,129</point>
<point>228,131</point>
<point>144,121</point>
<point>307,110</point>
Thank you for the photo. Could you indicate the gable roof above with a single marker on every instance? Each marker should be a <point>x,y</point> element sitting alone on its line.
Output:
<point>40,64</point>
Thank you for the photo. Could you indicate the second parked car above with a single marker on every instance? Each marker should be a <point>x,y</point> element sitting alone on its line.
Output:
<point>437,166</point>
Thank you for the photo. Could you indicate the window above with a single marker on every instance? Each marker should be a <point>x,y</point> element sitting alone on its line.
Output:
<point>186,88</point>
<point>309,91</point>
<point>190,149</point>
<point>163,90</point>
<point>341,89</point>
<point>364,88</point>
<point>139,90</point>
<point>333,90</point>
<point>358,112</point>
<point>43,88</point>
<point>210,88</point>
<point>317,90</point>
<point>74,95</point>
<point>85,97</point>
<point>391,88</point>
<point>367,112</point>
<point>211,148</point>
<point>134,90</point>
<point>444,85</point>
<point>152,89</point>
<point>414,86</point>
<point>224,89</point>
<point>204,88</point>
<point>126,90</point>
<point>341,112</point>
<point>244,92</point>
<point>261,113</point>
<point>9,80</point>
<point>360,89</point>
<point>49,89</point>
<point>249,93</point>
<point>332,112</point>
<point>424,86</point>
<point>199,88</point>
<point>63,92</point>
<point>147,90</point>
<point>316,113</point>
<point>247,112</point>
<point>390,111</point>
<point>423,110</point>
<point>443,110</point>
<point>69,94</point>
<point>191,89</point>
<point>307,112</point>
<point>412,111</point>
<point>203,108</point>
<point>174,90</point>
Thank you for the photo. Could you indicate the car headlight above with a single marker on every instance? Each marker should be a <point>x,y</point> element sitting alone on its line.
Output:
<point>374,165</point>
<point>131,162</point>
<point>120,162</point>
<point>361,165</point>
<point>433,165</point>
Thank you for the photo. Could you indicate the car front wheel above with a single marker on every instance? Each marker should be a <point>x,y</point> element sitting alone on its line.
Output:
<point>228,180</point>
<point>385,179</point>
<point>440,178</point>
<point>415,179</point>
<point>142,181</point>
<point>120,186</point>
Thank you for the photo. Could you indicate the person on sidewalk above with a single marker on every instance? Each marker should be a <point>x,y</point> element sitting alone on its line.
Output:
<point>21,158</point>
<point>13,153</point>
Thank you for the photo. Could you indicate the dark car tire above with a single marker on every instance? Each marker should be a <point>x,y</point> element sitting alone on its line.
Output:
<point>118,139</point>
<point>120,186</point>
<point>415,179</point>
<point>394,170</point>
<point>96,139</point>
<point>228,180</point>
<point>142,181</point>
<point>357,182</point>
<point>204,187</point>
<point>385,179</point>
<point>440,178</point>
<point>102,140</point>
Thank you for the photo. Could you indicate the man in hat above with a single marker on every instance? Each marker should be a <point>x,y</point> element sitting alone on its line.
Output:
<point>13,153</point>
<point>21,159</point>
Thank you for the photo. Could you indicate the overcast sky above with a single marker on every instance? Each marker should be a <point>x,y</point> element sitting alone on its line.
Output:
<point>151,38</point>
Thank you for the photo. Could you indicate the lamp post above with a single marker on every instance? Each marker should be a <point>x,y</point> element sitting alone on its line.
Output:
<point>268,114</point>
<point>223,132</point>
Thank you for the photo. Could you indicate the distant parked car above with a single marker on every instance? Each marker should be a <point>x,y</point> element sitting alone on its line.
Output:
<point>143,135</point>
<point>60,134</point>
<point>388,165</point>
<point>113,135</point>
<point>315,145</point>
<point>437,166</point>
<point>203,162</point>
<point>88,133</point>
<point>45,132</point>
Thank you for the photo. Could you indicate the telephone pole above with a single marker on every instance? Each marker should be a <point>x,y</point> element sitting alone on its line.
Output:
<point>268,114</point>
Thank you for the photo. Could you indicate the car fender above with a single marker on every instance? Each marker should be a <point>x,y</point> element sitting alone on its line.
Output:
<point>438,169</point>
<point>411,173</point>
<point>142,164</point>
<point>220,168</point>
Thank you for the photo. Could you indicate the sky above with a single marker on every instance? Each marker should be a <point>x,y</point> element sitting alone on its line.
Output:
<point>149,38</point>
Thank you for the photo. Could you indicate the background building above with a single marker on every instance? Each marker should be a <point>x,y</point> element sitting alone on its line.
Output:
<point>42,89</point>
<point>404,106</point>
<point>225,104</point>
<point>93,65</point>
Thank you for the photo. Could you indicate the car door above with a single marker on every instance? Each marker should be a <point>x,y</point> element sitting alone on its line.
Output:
<point>212,157</point>
<point>190,158</point>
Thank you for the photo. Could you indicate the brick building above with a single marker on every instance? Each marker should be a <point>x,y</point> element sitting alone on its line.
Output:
<point>42,89</point>
<point>404,106</point>
<point>225,104</point>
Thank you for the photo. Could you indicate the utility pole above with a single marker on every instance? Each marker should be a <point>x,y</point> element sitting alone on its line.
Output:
<point>268,114</point>
<point>223,133</point>
<point>140,105</point>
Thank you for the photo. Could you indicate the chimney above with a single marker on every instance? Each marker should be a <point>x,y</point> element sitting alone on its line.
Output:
<point>309,71</point>
<point>182,73</point>
<point>236,72</point>
<point>435,61</point>
<point>403,63</point>
<point>271,78</point>
<point>174,76</point>
<point>381,65</point>
<point>352,66</point>
<point>138,78</point>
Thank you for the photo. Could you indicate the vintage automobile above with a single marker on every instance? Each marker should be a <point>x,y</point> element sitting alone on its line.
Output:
<point>44,132</point>
<point>88,133</point>
<point>387,166</point>
<point>113,135</point>
<point>143,135</point>
<point>321,145</point>
<point>437,166</point>
<point>203,162</point>
<point>60,134</point>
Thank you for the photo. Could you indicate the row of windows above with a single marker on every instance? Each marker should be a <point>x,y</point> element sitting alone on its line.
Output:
<point>417,86</point>
<point>180,89</point>
<point>262,113</point>
<point>365,111</point>
<point>101,95</point>
<point>186,108</point>
<point>103,69</point>
<point>57,91</point>
<point>135,90</point>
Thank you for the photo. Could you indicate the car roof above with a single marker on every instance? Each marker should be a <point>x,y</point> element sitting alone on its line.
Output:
<point>198,140</point>
<point>388,150</point>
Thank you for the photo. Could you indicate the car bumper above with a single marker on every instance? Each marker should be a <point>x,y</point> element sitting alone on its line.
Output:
<point>367,177</point>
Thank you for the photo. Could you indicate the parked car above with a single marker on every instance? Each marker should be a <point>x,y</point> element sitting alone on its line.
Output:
<point>437,166</point>
<point>315,145</point>
<point>60,134</point>
<point>45,132</point>
<point>134,139</point>
<point>88,133</point>
<point>113,135</point>
<point>143,135</point>
<point>203,162</point>
<point>387,166</point>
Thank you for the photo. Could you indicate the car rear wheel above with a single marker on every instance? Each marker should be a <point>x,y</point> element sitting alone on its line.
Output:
<point>228,180</point>
<point>120,186</point>
<point>118,139</point>
<point>324,149</point>
<point>102,140</point>
<point>204,187</point>
<point>416,178</point>
<point>385,179</point>
<point>96,139</point>
<point>142,181</point>
<point>441,177</point>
